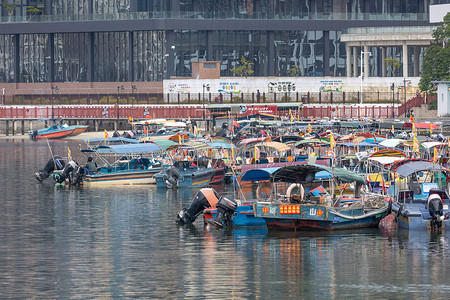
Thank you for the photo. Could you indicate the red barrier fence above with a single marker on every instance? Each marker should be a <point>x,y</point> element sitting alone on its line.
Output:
<point>185,111</point>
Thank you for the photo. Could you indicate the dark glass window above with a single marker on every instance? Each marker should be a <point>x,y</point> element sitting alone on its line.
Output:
<point>7,50</point>
<point>34,53</point>
<point>148,49</point>
<point>111,56</point>
<point>71,57</point>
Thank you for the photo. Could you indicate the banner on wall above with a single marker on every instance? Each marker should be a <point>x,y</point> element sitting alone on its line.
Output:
<point>248,110</point>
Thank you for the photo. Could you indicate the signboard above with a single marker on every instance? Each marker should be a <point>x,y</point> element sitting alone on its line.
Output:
<point>248,110</point>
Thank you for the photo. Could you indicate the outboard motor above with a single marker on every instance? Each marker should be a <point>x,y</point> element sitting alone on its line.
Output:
<point>54,163</point>
<point>225,210</point>
<point>205,198</point>
<point>436,210</point>
<point>71,166</point>
<point>171,177</point>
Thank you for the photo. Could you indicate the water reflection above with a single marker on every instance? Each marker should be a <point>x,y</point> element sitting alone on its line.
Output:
<point>122,242</point>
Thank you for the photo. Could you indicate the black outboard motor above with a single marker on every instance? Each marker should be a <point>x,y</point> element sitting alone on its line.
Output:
<point>436,210</point>
<point>225,210</point>
<point>54,163</point>
<point>171,177</point>
<point>204,198</point>
<point>68,169</point>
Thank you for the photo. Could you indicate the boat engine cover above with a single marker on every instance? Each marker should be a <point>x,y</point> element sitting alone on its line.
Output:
<point>202,200</point>
<point>225,210</point>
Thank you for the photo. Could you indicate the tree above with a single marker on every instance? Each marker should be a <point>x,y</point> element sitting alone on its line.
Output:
<point>436,62</point>
<point>295,71</point>
<point>392,64</point>
<point>10,7</point>
<point>245,69</point>
<point>33,11</point>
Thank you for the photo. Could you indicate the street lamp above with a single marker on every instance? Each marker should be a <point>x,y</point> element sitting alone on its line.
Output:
<point>133,90</point>
<point>204,112</point>
<point>362,73</point>
<point>405,81</point>
<point>393,97</point>
<point>119,89</point>
<point>56,89</point>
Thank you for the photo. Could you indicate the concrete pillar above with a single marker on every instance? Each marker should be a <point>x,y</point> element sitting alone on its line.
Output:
<point>416,61</point>
<point>405,60</point>
<point>355,62</point>
<point>383,61</point>
<point>115,125</point>
<point>23,127</point>
<point>366,61</point>
<point>96,125</point>
<point>349,61</point>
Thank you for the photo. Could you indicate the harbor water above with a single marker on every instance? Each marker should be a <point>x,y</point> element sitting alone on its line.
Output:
<point>60,242</point>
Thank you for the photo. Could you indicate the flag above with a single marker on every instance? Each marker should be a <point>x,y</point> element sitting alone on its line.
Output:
<point>145,129</point>
<point>309,128</point>
<point>414,127</point>
<point>332,142</point>
<point>292,118</point>
<point>235,123</point>
<point>106,135</point>
<point>179,138</point>
<point>416,144</point>
<point>298,117</point>
<point>69,154</point>
<point>257,153</point>
<point>290,115</point>
<point>435,154</point>
<point>392,129</point>
<point>195,130</point>
<point>354,141</point>
<point>411,118</point>
<point>130,119</point>
<point>431,128</point>
<point>232,153</point>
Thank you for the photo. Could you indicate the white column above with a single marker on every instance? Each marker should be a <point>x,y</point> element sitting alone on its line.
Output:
<point>416,61</point>
<point>355,61</point>
<point>366,61</point>
<point>405,60</point>
<point>349,61</point>
<point>383,61</point>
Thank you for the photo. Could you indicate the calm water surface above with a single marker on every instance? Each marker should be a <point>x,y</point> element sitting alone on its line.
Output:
<point>122,242</point>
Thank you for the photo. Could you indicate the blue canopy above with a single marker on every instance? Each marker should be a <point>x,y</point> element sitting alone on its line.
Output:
<point>221,145</point>
<point>363,144</point>
<point>135,148</point>
<point>262,174</point>
<point>113,140</point>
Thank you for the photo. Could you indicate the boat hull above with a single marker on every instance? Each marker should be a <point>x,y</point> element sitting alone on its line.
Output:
<point>121,178</point>
<point>52,134</point>
<point>188,180</point>
<point>244,216</point>
<point>315,217</point>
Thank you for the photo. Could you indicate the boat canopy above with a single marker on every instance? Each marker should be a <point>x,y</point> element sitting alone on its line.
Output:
<point>362,144</point>
<point>264,174</point>
<point>429,145</point>
<point>420,125</point>
<point>135,148</point>
<point>276,145</point>
<point>300,173</point>
<point>391,143</point>
<point>312,141</point>
<point>251,140</point>
<point>164,144</point>
<point>222,145</point>
<point>407,169</point>
<point>113,140</point>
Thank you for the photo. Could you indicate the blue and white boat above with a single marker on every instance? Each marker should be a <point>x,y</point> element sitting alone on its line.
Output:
<point>420,202</point>
<point>188,174</point>
<point>131,164</point>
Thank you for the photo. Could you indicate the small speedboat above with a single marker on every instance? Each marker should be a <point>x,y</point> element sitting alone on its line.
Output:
<point>53,132</point>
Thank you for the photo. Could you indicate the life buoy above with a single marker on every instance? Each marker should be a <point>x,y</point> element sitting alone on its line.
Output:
<point>259,190</point>
<point>293,186</point>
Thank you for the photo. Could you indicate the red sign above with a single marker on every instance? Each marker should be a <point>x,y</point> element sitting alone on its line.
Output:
<point>247,110</point>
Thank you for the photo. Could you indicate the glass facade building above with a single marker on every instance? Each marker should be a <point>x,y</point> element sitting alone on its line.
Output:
<point>152,40</point>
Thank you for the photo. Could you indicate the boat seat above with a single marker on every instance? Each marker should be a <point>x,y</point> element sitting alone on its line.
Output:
<point>415,187</point>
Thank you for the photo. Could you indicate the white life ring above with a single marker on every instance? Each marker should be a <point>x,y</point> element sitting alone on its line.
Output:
<point>259,190</point>
<point>293,186</point>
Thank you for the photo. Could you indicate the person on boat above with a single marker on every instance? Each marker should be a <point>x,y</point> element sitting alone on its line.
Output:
<point>91,166</point>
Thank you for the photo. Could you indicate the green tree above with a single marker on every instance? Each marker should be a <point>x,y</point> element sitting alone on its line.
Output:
<point>33,11</point>
<point>436,62</point>
<point>295,71</point>
<point>245,69</point>
<point>392,64</point>
<point>10,7</point>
